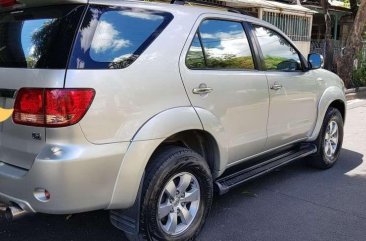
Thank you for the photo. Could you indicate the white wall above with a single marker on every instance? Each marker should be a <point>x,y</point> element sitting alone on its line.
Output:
<point>304,47</point>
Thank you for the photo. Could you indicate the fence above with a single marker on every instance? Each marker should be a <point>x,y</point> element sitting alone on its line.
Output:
<point>318,46</point>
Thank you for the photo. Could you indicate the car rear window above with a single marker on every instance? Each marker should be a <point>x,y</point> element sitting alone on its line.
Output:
<point>116,37</point>
<point>38,37</point>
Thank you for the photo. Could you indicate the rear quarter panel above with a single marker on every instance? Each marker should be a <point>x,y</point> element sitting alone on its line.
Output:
<point>127,98</point>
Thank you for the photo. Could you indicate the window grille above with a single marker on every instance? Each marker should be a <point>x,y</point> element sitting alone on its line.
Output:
<point>297,27</point>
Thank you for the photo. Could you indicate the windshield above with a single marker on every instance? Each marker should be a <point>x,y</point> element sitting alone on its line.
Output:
<point>38,37</point>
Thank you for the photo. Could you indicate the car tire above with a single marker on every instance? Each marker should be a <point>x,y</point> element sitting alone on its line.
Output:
<point>330,140</point>
<point>177,179</point>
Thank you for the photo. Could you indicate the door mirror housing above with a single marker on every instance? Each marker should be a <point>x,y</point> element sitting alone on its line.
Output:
<point>316,61</point>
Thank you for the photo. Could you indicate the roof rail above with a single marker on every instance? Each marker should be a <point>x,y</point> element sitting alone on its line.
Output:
<point>210,4</point>
<point>233,10</point>
<point>178,2</point>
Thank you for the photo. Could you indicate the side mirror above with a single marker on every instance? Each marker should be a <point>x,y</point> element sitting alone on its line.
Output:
<point>316,61</point>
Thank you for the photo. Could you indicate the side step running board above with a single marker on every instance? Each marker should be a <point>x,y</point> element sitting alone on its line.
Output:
<point>230,181</point>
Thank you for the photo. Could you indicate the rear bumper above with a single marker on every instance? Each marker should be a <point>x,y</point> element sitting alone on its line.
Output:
<point>79,178</point>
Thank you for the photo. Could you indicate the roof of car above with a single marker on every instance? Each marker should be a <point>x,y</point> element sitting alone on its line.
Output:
<point>176,8</point>
<point>190,11</point>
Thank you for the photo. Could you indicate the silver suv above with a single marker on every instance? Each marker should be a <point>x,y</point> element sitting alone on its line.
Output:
<point>145,109</point>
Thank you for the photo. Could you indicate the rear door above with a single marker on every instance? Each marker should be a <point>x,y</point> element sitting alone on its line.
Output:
<point>34,48</point>
<point>220,75</point>
<point>293,91</point>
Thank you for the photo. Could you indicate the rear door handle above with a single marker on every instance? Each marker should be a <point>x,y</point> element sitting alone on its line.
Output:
<point>202,90</point>
<point>276,86</point>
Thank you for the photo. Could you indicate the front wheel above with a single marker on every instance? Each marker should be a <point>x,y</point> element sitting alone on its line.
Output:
<point>330,140</point>
<point>177,195</point>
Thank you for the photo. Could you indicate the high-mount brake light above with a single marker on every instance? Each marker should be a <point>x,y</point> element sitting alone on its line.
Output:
<point>51,107</point>
<point>7,3</point>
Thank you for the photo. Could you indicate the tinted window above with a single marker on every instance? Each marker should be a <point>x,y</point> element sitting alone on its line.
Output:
<point>195,58</point>
<point>278,53</point>
<point>38,38</point>
<point>225,46</point>
<point>114,38</point>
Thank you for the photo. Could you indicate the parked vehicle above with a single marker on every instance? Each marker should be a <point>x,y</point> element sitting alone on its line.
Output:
<point>144,108</point>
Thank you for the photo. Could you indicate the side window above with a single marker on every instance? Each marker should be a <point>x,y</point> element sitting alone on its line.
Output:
<point>195,58</point>
<point>119,34</point>
<point>220,44</point>
<point>116,37</point>
<point>278,53</point>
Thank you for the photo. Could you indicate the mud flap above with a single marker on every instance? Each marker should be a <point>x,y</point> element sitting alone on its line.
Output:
<point>128,220</point>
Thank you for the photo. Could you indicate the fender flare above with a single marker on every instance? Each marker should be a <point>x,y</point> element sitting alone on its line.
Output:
<point>213,126</point>
<point>143,145</point>
<point>330,95</point>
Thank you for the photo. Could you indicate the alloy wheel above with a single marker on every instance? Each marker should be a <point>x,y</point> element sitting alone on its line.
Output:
<point>331,139</point>
<point>179,203</point>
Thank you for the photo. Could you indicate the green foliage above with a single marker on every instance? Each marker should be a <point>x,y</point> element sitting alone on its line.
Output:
<point>31,62</point>
<point>359,75</point>
<point>195,60</point>
<point>346,4</point>
<point>231,62</point>
<point>273,62</point>
<point>41,39</point>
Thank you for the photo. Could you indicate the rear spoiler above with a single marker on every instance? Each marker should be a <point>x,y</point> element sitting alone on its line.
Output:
<point>19,4</point>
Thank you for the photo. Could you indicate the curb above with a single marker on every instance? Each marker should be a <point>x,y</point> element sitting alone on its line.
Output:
<point>355,90</point>
<point>356,93</point>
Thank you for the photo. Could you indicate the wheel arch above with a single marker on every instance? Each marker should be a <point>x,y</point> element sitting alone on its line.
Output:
<point>199,141</point>
<point>341,106</point>
<point>332,97</point>
<point>178,126</point>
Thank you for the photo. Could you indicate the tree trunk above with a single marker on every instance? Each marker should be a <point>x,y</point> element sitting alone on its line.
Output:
<point>353,46</point>
<point>328,47</point>
<point>354,7</point>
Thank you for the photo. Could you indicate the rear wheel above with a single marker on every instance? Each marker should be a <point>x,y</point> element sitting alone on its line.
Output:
<point>330,140</point>
<point>177,195</point>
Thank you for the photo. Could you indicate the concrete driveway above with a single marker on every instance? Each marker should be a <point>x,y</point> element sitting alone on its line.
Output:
<point>293,203</point>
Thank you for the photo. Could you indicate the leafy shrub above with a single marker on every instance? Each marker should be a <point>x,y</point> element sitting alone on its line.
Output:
<point>359,75</point>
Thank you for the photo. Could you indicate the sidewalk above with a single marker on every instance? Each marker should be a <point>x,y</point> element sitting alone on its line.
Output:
<point>354,103</point>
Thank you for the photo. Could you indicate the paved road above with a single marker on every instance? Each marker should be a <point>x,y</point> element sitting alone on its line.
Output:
<point>293,203</point>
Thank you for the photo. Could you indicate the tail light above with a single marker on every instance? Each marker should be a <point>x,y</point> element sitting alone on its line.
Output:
<point>7,3</point>
<point>51,107</point>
